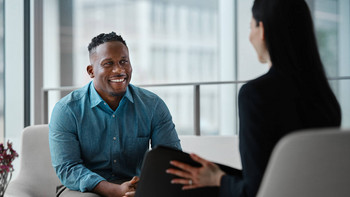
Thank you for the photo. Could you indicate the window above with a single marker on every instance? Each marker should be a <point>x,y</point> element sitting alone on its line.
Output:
<point>333,29</point>
<point>169,42</point>
<point>184,41</point>
<point>1,71</point>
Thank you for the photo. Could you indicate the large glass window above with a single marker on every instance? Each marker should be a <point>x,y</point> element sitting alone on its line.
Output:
<point>1,71</point>
<point>169,42</point>
<point>332,21</point>
<point>184,41</point>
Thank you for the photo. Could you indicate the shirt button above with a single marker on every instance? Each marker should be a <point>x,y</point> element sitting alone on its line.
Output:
<point>113,115</point>
<point>114,138</point>
<point>115,161</point>
<point>105,103</point>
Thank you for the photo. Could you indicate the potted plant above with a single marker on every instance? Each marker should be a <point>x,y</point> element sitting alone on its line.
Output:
<point>7,155</point>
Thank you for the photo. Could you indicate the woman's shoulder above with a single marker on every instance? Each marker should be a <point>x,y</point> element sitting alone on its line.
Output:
<point>273,76</point>
<point>270,84</point>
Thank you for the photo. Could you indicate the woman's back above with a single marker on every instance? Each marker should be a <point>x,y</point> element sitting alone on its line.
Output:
<point>270,107</point>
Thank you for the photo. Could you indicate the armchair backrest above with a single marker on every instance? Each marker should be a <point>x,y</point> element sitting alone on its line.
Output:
<point>36,175</point>
<point>309,163</point>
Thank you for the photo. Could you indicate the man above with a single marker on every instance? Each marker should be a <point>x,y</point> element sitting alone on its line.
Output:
<point>99,133</point>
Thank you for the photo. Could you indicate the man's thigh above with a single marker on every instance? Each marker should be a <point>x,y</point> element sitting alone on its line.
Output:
<point>70,193</point>
<point>63,191</point>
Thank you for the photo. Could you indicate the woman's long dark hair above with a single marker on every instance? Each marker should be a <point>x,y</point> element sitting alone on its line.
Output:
<point>289,34</point>
<point>291,42</point>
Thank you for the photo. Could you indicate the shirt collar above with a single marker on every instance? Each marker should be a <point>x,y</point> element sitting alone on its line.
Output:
<point>96,99</point>
<point>128,94</point>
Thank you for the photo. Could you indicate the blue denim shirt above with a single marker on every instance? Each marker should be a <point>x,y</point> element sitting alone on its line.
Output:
<point>89,142</point>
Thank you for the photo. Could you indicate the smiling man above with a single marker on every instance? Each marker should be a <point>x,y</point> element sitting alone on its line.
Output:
<point>99,133</point>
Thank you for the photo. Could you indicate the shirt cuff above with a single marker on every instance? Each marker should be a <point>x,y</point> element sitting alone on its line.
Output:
<point>91,182</point>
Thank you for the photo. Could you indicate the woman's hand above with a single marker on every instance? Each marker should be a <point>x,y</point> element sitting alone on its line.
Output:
<point>194,177</point>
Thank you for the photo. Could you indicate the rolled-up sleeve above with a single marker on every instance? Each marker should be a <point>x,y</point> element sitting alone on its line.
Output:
<point>66,153</point>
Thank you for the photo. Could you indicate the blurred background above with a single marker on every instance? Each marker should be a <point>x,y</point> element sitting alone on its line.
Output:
<point>175,47</point>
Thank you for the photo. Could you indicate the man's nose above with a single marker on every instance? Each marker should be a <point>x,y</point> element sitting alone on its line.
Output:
<point>117,68</point>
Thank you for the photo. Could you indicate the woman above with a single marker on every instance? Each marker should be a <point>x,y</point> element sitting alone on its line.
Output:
<point>294,94</point>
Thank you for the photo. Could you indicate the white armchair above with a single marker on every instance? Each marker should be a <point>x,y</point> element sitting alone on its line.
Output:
<point>36,177</point>
<point>309,163</point>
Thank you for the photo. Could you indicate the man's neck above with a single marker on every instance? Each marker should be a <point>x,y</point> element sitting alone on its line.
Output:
<point>113,101</point>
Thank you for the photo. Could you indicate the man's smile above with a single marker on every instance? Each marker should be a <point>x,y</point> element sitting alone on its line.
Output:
<point>117,80</point>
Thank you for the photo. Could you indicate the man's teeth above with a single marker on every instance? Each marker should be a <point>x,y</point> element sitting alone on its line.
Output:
<point>117,80</point>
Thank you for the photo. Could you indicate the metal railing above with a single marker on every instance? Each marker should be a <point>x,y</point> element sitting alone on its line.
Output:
<point>196,101</point>
<point>196,92</point>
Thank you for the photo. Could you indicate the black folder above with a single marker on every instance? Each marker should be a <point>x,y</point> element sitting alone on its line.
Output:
<point>155,182</point>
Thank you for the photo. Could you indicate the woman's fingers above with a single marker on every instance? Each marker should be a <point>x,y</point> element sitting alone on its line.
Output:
<point>192,177</point>
<point>178,173</point>
<point>187,183</point>
<point>198,159</point>
<point>182,166</point>
<point>182,181</point>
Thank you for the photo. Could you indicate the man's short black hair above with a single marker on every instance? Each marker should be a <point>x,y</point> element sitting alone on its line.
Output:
<point>102,38</point>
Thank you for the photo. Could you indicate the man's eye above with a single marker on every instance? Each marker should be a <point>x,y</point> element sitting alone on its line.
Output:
<point>123,61</point>
<point>108,63</point>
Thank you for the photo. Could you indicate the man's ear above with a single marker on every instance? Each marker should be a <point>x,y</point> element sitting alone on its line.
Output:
<point>262,30</point>
<point>90,71</point>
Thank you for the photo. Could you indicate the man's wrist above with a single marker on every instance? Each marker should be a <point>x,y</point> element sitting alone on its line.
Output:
<point>108,189</point>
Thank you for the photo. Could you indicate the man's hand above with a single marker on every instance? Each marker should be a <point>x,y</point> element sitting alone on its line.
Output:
<point>108,189</point>
<point>130,186</point>
<point>130,194</point>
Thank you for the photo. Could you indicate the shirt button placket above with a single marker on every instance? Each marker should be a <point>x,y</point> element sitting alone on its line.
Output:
<point>114,144</point>
<point>114,161</point>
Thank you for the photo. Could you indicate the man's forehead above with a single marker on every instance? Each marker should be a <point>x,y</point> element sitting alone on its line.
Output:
<point>108,48</point>
<point>108,45</point>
